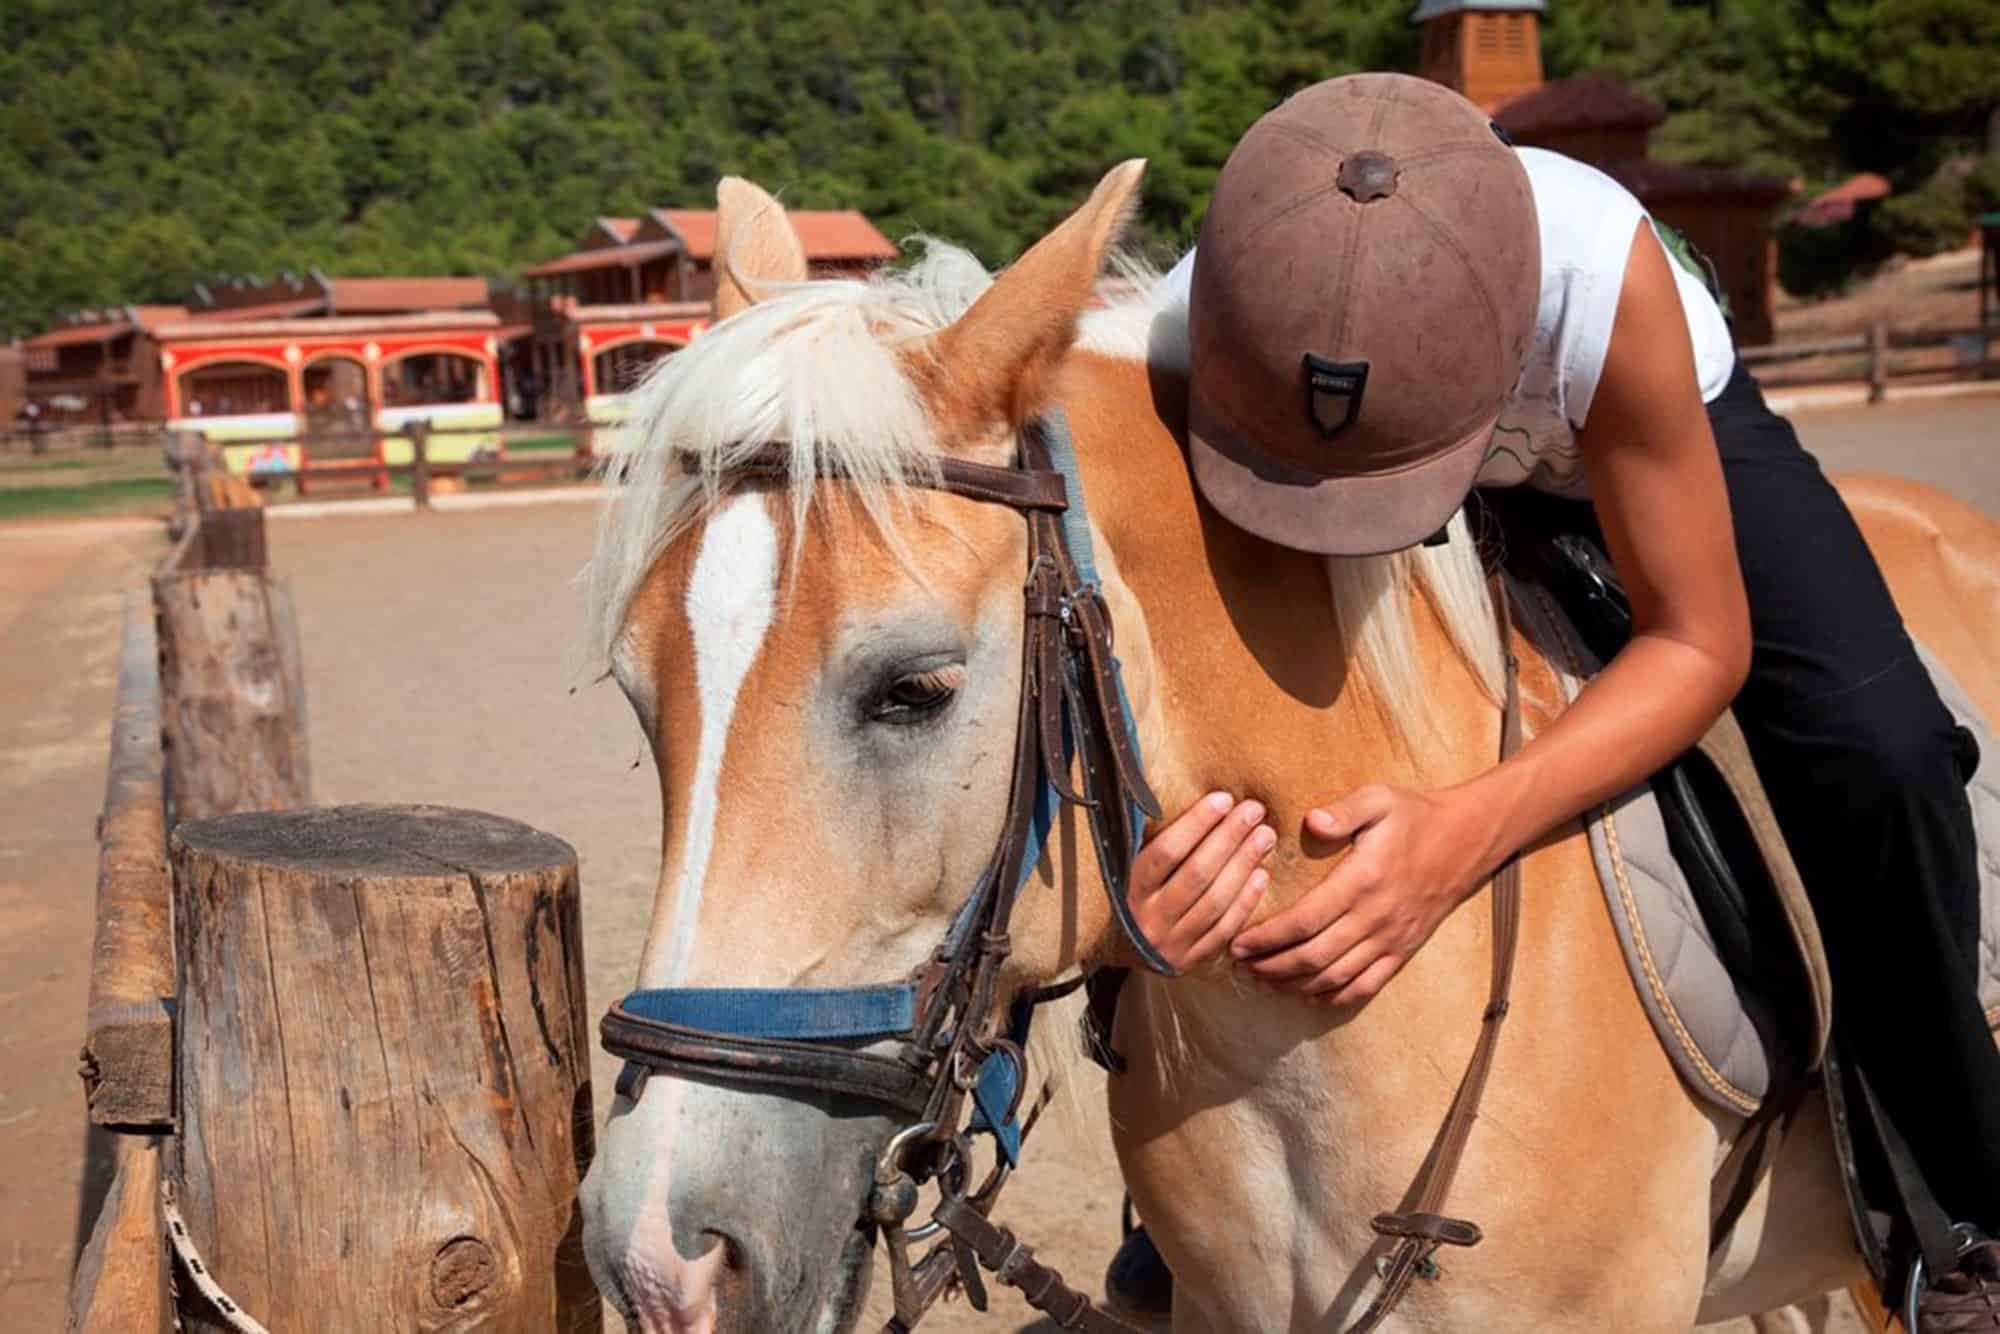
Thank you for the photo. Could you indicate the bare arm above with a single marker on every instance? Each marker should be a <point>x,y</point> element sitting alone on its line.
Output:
<point>1657,486</point>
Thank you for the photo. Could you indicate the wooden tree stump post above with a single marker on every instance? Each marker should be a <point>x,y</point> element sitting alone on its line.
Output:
<point>233,687</point>
<point>420,463</point>
<point>384,1069</point>
<point>1878,361</point>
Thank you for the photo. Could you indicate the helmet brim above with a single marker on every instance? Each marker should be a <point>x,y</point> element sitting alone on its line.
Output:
<point>1358,514</point>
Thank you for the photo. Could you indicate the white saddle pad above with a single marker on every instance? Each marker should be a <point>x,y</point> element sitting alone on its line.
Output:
<point>1708,1025</point>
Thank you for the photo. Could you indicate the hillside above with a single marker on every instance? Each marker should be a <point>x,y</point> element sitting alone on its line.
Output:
<point>148,144</point>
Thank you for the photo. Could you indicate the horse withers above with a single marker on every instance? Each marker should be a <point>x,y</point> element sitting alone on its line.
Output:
<point>828,660</point>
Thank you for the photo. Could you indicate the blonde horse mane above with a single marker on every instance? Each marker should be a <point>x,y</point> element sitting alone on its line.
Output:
<point>815,367</point>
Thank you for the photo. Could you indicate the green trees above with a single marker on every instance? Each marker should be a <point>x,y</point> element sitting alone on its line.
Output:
<point>146,143</point>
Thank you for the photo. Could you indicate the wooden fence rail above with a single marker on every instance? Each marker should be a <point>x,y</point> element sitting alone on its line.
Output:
<point>422,469</point>
<point>1870,356</point>
<point>438,1128</point>
<point>128,1058</point>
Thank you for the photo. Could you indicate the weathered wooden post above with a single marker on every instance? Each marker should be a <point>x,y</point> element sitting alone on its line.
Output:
<point>420,463</point>
<point>1878,361</point>
<point>384,1065</point>
<point>234,694</point>
<point>183,450</point>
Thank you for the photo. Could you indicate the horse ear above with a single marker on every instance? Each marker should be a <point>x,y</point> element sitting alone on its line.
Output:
<point>754,243</point>
<point>996,365</point>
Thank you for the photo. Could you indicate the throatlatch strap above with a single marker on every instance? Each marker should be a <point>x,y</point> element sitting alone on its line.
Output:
<point>1420,1231</point>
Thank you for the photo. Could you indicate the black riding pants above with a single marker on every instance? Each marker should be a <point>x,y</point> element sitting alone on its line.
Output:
<point>1866,772</point>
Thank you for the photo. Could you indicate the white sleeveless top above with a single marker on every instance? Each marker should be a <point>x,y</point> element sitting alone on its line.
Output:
<point>1587,221</point>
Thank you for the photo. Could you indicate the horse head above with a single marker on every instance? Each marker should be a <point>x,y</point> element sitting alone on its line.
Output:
<point>825,649</point>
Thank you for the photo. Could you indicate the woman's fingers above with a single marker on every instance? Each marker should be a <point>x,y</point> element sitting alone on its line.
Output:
<point>1214,895</point>
<point>1233,917</point>
<point>1237,834</point>
<point>1170,844</point>
<point>1191,882</point>
<point>1370,981</point>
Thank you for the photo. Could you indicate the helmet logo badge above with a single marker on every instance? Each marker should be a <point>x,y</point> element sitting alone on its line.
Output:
<point>1367,176</point>
<point>1333,393</point>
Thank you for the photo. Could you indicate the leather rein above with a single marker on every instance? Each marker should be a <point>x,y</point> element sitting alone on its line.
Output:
<point>950,1046</point>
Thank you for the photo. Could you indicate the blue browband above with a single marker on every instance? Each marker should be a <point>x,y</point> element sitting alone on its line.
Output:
<point>858,1016</point>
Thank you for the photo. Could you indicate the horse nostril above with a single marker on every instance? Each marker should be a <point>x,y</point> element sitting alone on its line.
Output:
<point>732,1284</point>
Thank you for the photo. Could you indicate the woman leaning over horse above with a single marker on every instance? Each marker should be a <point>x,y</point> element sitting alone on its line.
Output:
<point>1390,306</point>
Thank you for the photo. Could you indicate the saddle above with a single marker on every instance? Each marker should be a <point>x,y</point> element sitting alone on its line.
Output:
<point>1718,933</point>
<point>1720,939</point>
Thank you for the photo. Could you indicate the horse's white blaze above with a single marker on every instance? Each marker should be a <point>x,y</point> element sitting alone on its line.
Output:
<point>730,598</point>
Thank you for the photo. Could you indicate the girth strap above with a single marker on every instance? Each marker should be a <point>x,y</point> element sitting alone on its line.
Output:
<point>1421,1230</point>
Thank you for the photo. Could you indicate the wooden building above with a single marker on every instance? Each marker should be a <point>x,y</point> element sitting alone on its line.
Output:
<point>635,289</point>
<point>335,356</point>
<point>1487,49</point>
<point>1490,50</point>
<point>97,367</point>
<point>250,360</point>
<point>13,383</point>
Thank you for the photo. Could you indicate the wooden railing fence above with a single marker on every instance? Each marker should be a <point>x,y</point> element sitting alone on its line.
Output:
<point>350,457</point>
<point>281,1152</point>
<point>1872,357</point>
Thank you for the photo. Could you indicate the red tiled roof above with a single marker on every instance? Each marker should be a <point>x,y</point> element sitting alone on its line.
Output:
<point>1661,182</point>
<point>124,320</point>
<point>845,234</point>
<point>1837,204</point>
<point>830,235</point>
<point>151,317</point>
<point>695,227</point>
<point>622,228</point>
<point>826,234</point>
<point>607,257</point>
<point>354,296</point>
<point>76,334</point>
<point>1587,102</point>
<point>267,310</point>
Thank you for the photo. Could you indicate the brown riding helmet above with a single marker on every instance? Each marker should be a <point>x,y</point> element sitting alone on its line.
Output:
<point>1364,295</point>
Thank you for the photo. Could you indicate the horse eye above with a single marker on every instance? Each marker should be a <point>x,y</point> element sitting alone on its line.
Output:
<point>916,697</point>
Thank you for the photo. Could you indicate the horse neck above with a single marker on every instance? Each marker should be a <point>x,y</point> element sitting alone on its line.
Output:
<point>1230,645</point>
<point>1235,661</point>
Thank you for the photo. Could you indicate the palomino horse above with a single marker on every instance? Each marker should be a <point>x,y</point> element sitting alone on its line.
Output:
<point>828,665</point>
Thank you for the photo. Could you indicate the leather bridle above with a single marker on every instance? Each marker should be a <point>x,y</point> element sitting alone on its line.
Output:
<point>949,1046</point>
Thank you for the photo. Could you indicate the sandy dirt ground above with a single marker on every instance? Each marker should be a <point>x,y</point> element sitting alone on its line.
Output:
<point>62,591</point>
<point>444,664</point>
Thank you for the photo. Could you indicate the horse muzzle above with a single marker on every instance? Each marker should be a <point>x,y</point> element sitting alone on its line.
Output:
<point>715,1210</point>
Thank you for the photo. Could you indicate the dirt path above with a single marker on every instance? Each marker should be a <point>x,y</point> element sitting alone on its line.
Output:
<point>442,666</point>
<point>62,588</point>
